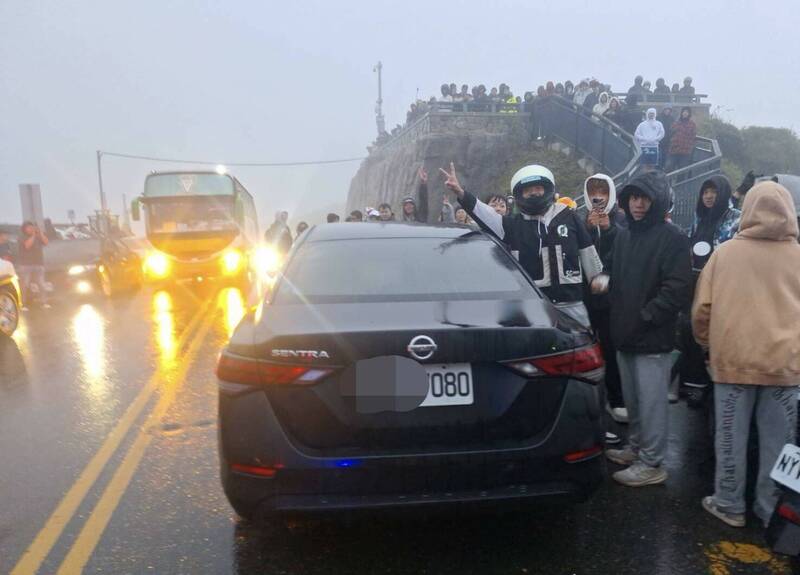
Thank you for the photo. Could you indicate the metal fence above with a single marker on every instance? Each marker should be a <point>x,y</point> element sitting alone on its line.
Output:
<point>686,182</point>
<point>595,137</point>
<point>591,136</point>
<point>670,98</point>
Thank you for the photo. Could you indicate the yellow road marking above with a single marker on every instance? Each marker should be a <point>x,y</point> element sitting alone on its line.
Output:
<point>97,522</point>
<point>726,555</point>
<point>38,550</point>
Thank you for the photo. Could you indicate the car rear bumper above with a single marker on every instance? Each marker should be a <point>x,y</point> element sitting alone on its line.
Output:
<point>256,492</point>
<point>250,434</point>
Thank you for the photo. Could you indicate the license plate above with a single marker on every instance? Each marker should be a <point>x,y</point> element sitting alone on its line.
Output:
<point>787,468</point>
<point>449,385</point>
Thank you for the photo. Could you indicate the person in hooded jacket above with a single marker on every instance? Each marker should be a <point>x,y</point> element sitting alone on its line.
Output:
<point>603,221</point>
<point>716,222</point>
<point>648,135</point>
<point>602,104</point>
<point>750,285</point>
<point>549,240</point>
<point>412,212</point>
<point>650,283</point>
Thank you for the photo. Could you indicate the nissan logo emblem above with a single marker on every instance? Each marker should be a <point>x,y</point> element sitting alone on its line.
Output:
<point>422,347</point>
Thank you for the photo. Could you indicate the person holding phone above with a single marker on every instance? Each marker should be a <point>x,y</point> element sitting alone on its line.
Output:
<point>603,220</point>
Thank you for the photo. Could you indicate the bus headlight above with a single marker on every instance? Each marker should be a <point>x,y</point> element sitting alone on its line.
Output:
<point>231,262</point>
<point>156,265</point>
<point>268,260</point>
<point>76,270</point>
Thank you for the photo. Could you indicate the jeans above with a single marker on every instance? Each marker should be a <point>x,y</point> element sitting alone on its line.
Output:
<point>30,275</point>
<point>645,381</point>
<point>776,418</point>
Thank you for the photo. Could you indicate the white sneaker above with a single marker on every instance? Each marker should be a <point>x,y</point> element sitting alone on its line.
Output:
<point>732,519</point>
<point>618,414</point>
<point>46,306</point>
<point>624,456</point>
<point>640,474</point>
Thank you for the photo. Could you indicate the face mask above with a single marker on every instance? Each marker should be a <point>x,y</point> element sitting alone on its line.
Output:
<point>534,205</point>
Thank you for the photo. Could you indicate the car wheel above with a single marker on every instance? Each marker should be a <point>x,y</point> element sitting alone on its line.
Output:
<point>9,313</point>
<point>268,522</point>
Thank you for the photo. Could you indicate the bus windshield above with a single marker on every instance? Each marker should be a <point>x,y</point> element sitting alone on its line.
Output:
<point>191,214</point>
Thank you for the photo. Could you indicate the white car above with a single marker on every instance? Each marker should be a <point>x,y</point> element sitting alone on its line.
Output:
<point>9,298</point>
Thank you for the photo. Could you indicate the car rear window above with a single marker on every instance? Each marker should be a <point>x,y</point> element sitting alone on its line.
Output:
<point>401,269</point>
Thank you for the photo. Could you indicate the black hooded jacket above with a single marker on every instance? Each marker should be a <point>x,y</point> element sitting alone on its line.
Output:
<point>716,224</point>
<point>651,273</point>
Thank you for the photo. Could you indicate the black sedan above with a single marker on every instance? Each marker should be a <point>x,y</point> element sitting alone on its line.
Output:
<point>398,365</point>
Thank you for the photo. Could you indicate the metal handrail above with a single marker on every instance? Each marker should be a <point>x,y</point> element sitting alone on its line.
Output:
<point>608,125</point>
<point>670,98</point>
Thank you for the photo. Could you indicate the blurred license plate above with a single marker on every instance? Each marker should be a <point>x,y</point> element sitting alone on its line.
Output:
<point>449,385</point>
<point>787,468</point>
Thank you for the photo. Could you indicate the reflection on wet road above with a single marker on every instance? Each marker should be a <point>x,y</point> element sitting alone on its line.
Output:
<point>108,439</point>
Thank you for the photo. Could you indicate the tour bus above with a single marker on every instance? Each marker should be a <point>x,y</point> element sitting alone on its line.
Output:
<point>200,225</point>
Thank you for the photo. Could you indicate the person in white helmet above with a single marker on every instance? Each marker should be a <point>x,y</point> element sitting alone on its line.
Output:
<point>548,239</point>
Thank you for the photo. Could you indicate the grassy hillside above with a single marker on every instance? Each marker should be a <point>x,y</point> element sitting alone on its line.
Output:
<point>568,174</point>
<point>762,149</point>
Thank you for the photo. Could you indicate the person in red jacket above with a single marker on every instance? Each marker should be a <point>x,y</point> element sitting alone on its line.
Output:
<point>684,132</point>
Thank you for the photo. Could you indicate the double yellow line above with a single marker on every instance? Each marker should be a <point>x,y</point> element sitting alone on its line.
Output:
<point>93,528</point>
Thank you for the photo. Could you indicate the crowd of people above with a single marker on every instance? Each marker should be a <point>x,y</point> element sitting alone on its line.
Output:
<point>626,271</point>
<point>592,95</point>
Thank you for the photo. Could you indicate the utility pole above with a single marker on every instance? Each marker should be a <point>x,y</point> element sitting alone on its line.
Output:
<point>103,204</point>
<point>379,104</point>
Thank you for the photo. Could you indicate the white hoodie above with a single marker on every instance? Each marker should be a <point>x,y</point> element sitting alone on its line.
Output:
<point>612,192</point>
<point>650,132</point>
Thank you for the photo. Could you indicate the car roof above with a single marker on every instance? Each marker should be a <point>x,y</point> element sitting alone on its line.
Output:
<point>379,230</point>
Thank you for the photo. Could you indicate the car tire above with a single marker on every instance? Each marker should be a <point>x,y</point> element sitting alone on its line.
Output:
<point>267,521</point>
<point>9,312</point>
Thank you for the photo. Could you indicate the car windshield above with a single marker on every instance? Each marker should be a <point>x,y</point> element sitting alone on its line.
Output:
<point>195,214</point>
<point>401,269</point>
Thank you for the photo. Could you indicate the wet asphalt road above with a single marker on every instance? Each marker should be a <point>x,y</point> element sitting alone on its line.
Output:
<point>109,463</point>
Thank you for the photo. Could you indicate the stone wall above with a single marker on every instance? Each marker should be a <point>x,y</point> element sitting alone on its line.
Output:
<point>480,145</point>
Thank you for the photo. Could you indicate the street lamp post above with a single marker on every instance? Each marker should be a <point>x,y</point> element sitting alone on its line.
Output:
<point>379,104</point>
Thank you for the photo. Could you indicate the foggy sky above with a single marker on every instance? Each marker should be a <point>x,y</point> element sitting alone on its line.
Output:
<point>280,81</point>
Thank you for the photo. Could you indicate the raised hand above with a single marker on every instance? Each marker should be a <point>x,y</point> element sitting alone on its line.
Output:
<point>451,181</point>
<point>423,175</point>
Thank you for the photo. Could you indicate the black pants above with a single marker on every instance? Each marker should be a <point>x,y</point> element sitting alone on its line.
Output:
<point>693,359</point>
<point>601,322</point>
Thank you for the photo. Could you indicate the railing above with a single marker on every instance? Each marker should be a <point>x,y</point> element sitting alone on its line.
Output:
<point>592,136</point>
<point>707,161</point>
<point>663,98</point>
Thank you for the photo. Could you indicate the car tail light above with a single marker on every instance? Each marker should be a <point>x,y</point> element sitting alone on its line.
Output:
<point>787,512</point>
<point>252,371</point>
<point>260,470</point>
<point>582,363</point>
